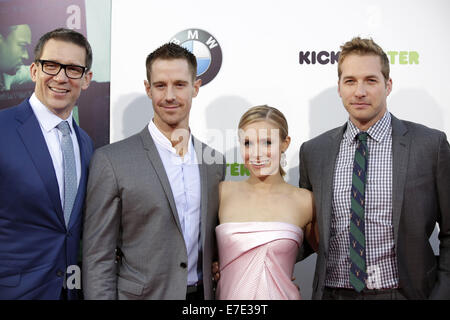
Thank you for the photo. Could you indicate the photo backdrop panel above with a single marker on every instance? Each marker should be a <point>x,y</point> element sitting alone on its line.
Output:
<point>36,18</point>
<point>282,53</point>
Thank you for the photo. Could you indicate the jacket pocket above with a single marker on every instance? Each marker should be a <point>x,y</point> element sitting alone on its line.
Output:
<point>129,286</point>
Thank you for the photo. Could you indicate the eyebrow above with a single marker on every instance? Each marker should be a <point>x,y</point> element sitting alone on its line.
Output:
<point>164,82</point>
<point>366,77</point>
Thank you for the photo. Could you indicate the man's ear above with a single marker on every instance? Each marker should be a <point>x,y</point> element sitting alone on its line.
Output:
<point>86,80</point>
<point>33,71</point>
<point>197,85</point>
<point>389,86</point>
<point>147,88</point>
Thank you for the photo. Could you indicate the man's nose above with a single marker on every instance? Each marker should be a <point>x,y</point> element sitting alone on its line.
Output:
<point>170,93</point>
<point>61,75</point>
<point>360,90</point>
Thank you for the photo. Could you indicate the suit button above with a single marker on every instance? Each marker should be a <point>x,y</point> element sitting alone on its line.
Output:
<point>59,273</point>
<point>183,265</point>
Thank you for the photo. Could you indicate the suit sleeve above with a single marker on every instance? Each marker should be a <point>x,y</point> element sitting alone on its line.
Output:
<point>224,169</point>
<point>304,179</point>
<point>442,287</point>
<point>101,230</point>
<point>305,250</point>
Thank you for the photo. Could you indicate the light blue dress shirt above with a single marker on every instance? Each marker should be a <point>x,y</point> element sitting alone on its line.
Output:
<point>184,177</point>
<point>52,135</point>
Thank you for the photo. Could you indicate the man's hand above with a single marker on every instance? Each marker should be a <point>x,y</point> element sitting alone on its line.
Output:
<point>293,279</point>
<point>215,271</point>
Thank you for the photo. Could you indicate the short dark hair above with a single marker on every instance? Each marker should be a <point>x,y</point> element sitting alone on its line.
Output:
<point>66,35</point>
<point>171,51</point>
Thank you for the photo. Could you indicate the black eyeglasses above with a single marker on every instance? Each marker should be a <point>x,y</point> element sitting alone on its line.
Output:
<point>52,68</point>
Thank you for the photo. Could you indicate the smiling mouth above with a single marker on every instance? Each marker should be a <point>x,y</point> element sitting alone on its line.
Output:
<point>56,90</point>
<point>259,162</point>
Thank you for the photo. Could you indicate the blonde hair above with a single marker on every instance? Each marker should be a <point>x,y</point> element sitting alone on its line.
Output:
<point>266,113</point>
<point>364,47</point>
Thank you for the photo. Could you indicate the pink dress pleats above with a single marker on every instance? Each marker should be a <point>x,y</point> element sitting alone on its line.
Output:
<point>257,260</point>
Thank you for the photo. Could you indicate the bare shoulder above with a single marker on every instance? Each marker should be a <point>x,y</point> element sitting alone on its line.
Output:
<point>229,198</point>
<point>300,193</point>
<point>304,193</point>
<point>303,197</point>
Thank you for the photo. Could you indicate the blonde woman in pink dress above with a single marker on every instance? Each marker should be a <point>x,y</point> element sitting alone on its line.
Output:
<point>263,220</point>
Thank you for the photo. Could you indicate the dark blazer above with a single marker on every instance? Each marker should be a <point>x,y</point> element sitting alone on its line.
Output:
<point>130,205</point>
<point>420,198</point>
<point>35,246</point>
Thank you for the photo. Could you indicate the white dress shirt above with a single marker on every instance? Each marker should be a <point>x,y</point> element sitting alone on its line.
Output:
<point>48,122</point>
<point>184,177</point>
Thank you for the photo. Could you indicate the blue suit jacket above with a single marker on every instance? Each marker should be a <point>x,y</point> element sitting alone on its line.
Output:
<point>36,247</point>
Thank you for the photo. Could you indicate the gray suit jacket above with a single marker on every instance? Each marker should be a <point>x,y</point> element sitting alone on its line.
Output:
<point>420,198</point>
<point>130,206</point>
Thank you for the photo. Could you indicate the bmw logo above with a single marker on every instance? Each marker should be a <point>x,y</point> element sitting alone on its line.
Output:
<point>205,48</point>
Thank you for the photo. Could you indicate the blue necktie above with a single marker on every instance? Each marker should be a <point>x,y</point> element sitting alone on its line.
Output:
<point>70,171</point>
<point>358,272</point>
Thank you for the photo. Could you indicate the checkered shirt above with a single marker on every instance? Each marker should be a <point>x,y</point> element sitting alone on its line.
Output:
<point>380,247</point>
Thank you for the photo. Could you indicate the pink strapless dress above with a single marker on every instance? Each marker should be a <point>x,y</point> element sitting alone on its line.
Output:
<point>257,260</point>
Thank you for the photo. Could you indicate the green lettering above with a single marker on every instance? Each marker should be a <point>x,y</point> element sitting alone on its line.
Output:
<point>392,55</point>
<point>403,59</point>
<point>244,170</point>
<point>413,57</point>
<point>234,169</point>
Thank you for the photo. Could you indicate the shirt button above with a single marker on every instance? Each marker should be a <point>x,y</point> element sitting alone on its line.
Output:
<point>183,265</point>
<point>59,273</point>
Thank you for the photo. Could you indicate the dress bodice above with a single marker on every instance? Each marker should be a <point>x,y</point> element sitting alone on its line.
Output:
<point>257,260</point>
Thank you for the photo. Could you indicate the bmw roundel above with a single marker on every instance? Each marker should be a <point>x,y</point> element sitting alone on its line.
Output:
<point>205,48</point>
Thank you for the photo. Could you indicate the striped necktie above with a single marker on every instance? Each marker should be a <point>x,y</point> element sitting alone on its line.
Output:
<point>358,273</point>
<point>70,171</point>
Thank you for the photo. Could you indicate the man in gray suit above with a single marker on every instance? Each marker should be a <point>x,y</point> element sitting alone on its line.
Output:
<point>152,199</point>
<point>380,185</point>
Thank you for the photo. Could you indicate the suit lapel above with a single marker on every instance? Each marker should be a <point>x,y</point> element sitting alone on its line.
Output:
<point>400,150</point>
<point>328,160</point>
<point>155,160</point>
<point>199,147</point>
<point>31,135</point>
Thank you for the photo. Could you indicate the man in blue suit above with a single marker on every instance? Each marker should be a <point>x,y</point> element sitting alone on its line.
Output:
<point>44,158</point>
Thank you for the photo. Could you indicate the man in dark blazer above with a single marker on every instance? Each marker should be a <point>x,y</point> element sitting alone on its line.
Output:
<point>152,199</point>
<point>40,201</point>
<point>407,191</point>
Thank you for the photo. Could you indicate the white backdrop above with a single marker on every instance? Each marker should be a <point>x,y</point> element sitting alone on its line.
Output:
<point>260,42</point>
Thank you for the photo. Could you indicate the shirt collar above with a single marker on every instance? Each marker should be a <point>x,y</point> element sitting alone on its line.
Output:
<point>162,141</point>
<point>377,132</point>
<point>47,119</point>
